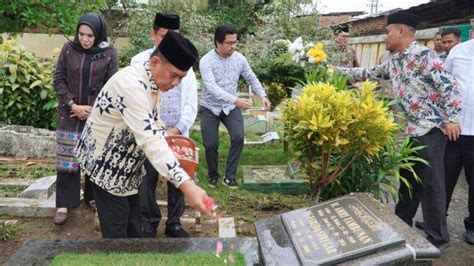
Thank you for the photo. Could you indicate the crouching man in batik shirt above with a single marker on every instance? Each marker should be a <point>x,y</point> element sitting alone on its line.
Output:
<point>124,128</point>
<point>431,101</point>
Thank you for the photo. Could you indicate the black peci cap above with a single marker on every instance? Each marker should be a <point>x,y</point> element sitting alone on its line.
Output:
<point>179,51</point>
<point>167,21</point>
<point>408,19</point>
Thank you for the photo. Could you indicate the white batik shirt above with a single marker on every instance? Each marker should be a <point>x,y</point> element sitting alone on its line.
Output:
<point>123,129</point>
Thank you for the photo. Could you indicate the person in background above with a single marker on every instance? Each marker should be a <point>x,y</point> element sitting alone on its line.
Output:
<point>431,101</point>
<point>460,153</point>
<point>438,47</point>
<point>220,70</point>
<point>349,58</point>
<point>450,38</point>
<point>178,111</point>
<point>83,67</point>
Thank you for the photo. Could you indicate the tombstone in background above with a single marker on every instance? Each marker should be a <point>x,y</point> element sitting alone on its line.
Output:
<point>273,178</point>
<point>352,230</point>
<point>269,137</point>
<point>255,124</point>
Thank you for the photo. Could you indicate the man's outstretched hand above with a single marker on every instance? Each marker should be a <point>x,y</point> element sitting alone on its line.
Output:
<point>198,198</point>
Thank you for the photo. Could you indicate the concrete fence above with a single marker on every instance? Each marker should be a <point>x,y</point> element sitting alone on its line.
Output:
<point>42,45</point>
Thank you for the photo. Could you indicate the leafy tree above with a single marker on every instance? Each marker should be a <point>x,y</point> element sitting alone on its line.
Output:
<point>49,16</point>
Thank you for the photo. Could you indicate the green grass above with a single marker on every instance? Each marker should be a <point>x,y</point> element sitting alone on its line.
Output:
<point>7,231</point>
<point>247,206</point>
<point>183,259</point>
<point>23,170</point>
<point>10,191</point>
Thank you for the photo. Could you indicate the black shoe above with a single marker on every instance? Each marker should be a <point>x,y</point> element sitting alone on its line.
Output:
<point>176,231</point>
<point>420,224</point>
<point>213,182</point>
<point>149,229</point>
<point>231,183</point>
<point>469,237</point>
<point>441,245</point>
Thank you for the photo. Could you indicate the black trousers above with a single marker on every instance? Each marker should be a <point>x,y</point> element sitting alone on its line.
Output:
<point>149,209</point>
<point>119,216</point>
<point>460,154</point>
<point>431,191</point>
<point>68,190</point>
<point>210,137</point>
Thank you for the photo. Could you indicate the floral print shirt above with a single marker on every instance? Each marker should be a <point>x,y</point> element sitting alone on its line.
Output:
<point>123,129</point>
<point>427,93</point>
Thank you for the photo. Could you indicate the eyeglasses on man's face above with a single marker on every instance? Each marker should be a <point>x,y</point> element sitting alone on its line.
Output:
<point>231,43</point>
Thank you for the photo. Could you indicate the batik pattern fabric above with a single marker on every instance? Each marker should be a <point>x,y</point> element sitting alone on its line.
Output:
<point>65,144</point>
<point>427,93</point>
<point>124,128</point>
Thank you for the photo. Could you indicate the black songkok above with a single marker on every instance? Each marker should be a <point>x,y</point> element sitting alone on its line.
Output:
<point>179,51</point>
<point>403,18</point>
<point>167,21</point>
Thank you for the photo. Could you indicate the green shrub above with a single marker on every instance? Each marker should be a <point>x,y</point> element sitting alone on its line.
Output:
<point>324,123</point>
<point>240,14</point>
<point>276,93</point>
<point>27,95</point>
<point>378,174</point>
<point>7,231</point>
<point>281,69</point>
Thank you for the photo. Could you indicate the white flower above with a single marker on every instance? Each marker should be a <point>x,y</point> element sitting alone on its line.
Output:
<point>297,45</point>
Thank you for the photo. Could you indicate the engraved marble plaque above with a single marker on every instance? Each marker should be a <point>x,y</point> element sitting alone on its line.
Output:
<point>337,230</point>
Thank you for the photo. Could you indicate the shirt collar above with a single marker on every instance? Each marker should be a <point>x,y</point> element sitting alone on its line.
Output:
<point>409,48</point>
<point>154,87</point>
<point>220,57</point>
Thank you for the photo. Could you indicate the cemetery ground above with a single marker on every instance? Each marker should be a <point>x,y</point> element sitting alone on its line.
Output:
<point>245,206</point>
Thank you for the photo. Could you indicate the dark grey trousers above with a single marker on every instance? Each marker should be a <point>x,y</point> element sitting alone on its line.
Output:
<point>147,192</point>
<point>431,191</point>
<point>460,154</point>
<point>119,216</point>
<point>210,138</point>
<point>68,189</point>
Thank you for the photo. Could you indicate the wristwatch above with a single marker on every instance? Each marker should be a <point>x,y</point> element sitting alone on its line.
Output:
<point>70,103</point>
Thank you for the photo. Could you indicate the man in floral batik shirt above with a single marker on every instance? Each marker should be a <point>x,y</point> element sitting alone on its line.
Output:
<point>431,101</point>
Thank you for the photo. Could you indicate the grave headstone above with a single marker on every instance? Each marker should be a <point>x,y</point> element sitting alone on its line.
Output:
<point>256,125</point>
<point>41,189</point>
<point>352,230</point>
<point>269,137</point>
<point>336,231</point>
